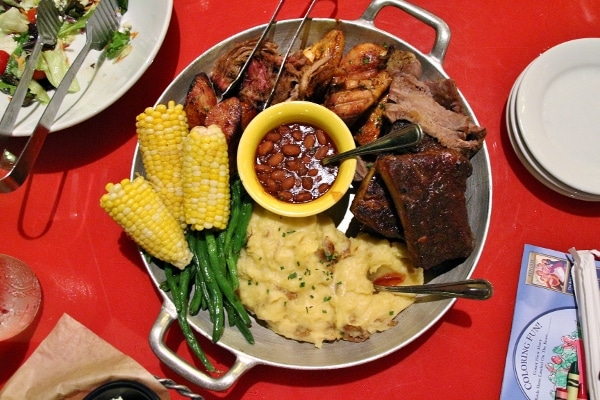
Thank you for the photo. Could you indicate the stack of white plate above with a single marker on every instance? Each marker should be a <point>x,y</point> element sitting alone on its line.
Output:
<point>553,118</point>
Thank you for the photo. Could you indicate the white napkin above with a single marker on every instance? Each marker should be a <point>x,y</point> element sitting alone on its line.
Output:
<point>587,293</point>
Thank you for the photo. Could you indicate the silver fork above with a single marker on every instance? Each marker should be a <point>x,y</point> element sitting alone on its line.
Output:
<point>48,22</point>
<point>99,30</point>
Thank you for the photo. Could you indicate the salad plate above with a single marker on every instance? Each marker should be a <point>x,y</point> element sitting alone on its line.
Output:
<point>556,107</point>
<point>101,81</point>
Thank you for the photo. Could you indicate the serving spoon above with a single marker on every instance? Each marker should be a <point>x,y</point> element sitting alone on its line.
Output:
<point>406,136</point>
<point>475,289</point>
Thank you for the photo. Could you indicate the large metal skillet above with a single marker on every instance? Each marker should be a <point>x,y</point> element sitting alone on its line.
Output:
<point>270,348</point>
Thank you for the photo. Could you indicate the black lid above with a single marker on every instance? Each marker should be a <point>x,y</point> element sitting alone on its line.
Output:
<point>126,389</point>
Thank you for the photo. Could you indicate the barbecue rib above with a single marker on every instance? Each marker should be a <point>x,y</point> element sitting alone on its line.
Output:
<point>428,191</point>
<point>374,209</point>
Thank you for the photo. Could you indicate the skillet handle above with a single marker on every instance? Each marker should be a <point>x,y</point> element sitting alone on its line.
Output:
<point>157,342</point>
<point>442,38</point>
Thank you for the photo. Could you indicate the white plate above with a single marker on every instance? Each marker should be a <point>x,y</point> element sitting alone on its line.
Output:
<point>150,19</point>
<point>525,156</point>
<point>557,108</point>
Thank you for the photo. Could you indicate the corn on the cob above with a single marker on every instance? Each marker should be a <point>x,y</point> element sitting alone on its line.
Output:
<point>160,133</point>
<point>206,178</point>
<point>137,208</point>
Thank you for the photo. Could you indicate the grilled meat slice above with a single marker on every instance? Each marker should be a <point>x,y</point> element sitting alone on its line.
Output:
<point>373,207</point>
<point>359,82</point>
<point>259,80</point>
<point>200,98</point>
<point>412,100</point>
<point>259,77</point>
<point>428,191</point>
<point>402,61</point>
<point>228,116</point>
<point>445,93</point>
<point>248,113</point>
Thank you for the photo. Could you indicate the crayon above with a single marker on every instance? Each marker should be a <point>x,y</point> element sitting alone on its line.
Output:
<point>560,394</point>
<point>582,392</point>
<point>573,381</point>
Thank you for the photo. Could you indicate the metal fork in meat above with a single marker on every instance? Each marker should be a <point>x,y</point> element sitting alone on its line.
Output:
<point>267,103</point>
<point>48,22</point>
<point>235,82</point>
<point>99,30</point>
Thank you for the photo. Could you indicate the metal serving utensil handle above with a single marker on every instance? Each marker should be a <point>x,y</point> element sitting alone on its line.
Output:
<point>395,140</point>
<point>474,289</point>
<point>166,317</point>
<point>24,163</point>
<point>442,37</point>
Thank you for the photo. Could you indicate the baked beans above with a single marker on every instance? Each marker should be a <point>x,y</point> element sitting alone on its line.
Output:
<point>288,162</point>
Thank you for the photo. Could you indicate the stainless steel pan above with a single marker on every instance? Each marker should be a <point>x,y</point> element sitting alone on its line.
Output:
<point>275,350</point>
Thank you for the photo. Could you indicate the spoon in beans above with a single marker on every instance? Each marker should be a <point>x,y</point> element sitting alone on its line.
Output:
<point>397,139</point>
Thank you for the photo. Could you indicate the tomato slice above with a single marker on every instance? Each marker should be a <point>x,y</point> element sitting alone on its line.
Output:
<point>38,75</point>
<point>31,15</point>
<point>4,57</point>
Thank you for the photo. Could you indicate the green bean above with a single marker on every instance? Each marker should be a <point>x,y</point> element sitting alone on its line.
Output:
<point>192,342</point>
<point>173,287</point>
<point>235,211</point>
<point>235,320</point>
<point>238,241</point>
<point>184,286</point>
<point>185,327</point>
<point>205,302</point>
<point>222,280</point>
<point>216,297</point>
<point>198,296</point>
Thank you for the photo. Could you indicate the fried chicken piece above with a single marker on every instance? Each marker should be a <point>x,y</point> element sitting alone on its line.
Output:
<point>359,81</point>
<point>372,128</point>
<point>308,72</point>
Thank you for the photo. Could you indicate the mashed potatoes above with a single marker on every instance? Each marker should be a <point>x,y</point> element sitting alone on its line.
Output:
<point>309,282</point>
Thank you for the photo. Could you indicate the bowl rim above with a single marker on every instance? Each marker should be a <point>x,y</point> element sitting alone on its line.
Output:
<point>284,113</point>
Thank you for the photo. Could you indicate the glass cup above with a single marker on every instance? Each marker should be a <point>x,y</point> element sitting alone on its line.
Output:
<point>20,296</point>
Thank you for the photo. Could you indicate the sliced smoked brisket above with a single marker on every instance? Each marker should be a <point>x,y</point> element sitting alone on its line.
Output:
<point>414,101</point>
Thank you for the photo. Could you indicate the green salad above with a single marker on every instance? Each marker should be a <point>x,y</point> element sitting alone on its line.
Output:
<point>18,34</point>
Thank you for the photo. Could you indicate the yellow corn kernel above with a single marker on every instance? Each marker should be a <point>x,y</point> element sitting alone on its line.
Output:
<point>137,208</point>
<point>160,132</point>
<point>206,178</point>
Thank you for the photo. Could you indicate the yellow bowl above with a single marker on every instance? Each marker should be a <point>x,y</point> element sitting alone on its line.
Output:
<point>287,113</point>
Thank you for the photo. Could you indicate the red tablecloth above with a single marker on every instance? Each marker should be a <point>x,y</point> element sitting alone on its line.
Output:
<point>89,269</point>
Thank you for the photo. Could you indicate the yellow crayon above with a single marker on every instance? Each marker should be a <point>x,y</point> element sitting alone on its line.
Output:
<point>573,381</point>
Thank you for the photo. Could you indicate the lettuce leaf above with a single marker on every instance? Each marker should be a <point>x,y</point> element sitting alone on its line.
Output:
<point>55,64</point>
<point>117,44</point>
<point>12,21</point>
